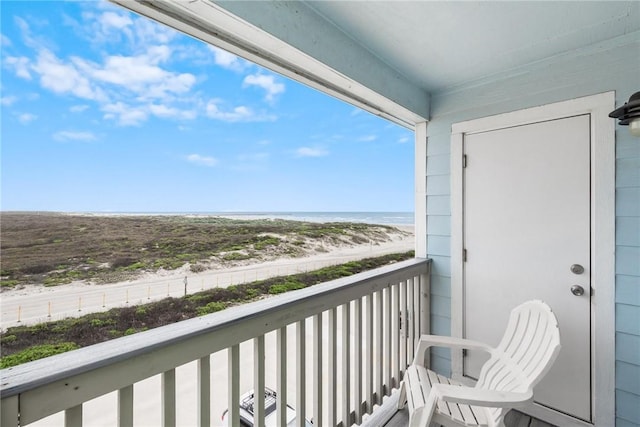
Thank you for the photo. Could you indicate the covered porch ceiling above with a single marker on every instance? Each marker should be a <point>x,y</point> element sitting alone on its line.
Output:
<point>388,57</point>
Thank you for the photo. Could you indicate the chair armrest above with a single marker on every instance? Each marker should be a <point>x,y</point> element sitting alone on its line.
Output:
<point>481,397</point>
<point>427,341</point>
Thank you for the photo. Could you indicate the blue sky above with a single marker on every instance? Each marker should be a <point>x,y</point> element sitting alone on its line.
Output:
<point>104,110</point>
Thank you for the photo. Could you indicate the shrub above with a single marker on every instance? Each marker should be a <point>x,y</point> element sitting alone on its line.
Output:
<point>197,268</point>
<point>212,307</point>
<point>235,256</point>
<point>252,293</point>
<point>35,353</point>
<point>288,285</point>
<point>8,283</point>
<point>8,339</point>
<point>123,262</point>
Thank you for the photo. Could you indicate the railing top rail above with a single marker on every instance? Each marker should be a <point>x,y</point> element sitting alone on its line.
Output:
<point>228,327</point>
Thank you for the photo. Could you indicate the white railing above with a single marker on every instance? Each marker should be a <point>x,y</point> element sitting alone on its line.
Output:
<point>353,338</point>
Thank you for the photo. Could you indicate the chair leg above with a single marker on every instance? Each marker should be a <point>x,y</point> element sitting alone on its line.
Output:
<point>402,398</point>
<point>423,416</point>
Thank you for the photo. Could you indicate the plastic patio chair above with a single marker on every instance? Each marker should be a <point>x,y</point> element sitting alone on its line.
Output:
<point>525,354</point>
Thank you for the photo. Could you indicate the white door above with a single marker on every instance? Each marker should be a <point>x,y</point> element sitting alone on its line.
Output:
<point>526,222</point>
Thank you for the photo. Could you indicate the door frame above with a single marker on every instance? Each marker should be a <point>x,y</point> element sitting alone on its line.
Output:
<point>602,242</point>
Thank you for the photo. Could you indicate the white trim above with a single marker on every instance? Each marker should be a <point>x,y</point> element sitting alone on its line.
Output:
<point>602,232</point>
<point>420,180</point>
<point>212,24</point>
<point>457,240</point>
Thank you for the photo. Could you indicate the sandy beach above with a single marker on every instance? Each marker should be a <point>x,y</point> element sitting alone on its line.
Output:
<point>35,303</point>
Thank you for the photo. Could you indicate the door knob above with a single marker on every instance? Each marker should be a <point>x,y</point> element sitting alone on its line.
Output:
<point>577,290</point>
<point>577,269</point>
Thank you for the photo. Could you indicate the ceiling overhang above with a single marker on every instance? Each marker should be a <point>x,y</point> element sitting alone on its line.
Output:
<point>292,39</point>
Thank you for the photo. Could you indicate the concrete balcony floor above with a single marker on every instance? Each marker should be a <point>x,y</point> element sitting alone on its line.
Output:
<point>513,419</point>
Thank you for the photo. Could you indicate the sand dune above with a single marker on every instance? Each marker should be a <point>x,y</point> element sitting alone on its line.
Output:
<point>33,304</point>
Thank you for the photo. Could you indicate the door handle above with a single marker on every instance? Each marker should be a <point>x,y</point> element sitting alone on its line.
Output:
<point>577,290</point>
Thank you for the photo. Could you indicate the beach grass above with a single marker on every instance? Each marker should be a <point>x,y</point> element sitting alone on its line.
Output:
<point>54,248</point>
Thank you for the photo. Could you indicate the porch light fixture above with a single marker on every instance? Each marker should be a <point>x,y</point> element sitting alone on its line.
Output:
<point>629,114</point>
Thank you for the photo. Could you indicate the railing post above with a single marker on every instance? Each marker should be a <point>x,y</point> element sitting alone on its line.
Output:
<point>317,369</point>
<point>410,320</point>
<point>73,416</point>
<point>332,367</point>
<point>300,374</point>
<point>379,346</point>
<point>204,391</point>
<point>357,356</point>
<point>9,413</point>
<point>233,385</point>
<point>346,364</point>
<point>403,325</point>
<point>425,308</point>
<point>258,381</point>
<point>281,373</point>
<point>169,398</point>
<point>395,335</point>
<point>125,406</point>
<point>387,340</point>
<point>368,373</point>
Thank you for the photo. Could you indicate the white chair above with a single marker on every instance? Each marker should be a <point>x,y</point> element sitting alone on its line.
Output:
<point>526,352</point>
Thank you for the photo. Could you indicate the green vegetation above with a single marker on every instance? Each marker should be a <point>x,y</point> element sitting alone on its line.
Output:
<point>288,285</point>
<point>212,307</point>
<point>25,343</point>
<point>35,353</point>
<point>53,249</point>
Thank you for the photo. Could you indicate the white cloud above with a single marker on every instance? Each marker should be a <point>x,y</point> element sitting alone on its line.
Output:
<point>26,118</point>
<point>311,152</point>
<point>124,114</point>
<point>139,74</point>
<point>160,110</point>
<point>20,65</point>
<point>67,135</point>
<point>202,160</point>
<point>237,114</point>
<point>8,100</point>
<point>150,32</point>
<point>25,31</point>
<point>4,40</point>
<point>228,60</point>
<point>114,20</point>
<point>64,78</point>
<point>78,108</point>
<point>368,138</point>
<point>355,112</point>
<point>266,82</point>
<point>403,140</point>
<point>110,25</point>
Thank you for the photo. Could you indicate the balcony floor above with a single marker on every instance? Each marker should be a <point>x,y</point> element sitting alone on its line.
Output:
<point>388,416</point>
<point>513,419</point>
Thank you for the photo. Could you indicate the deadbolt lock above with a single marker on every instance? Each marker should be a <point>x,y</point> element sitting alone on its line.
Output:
<point>577,269</point>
